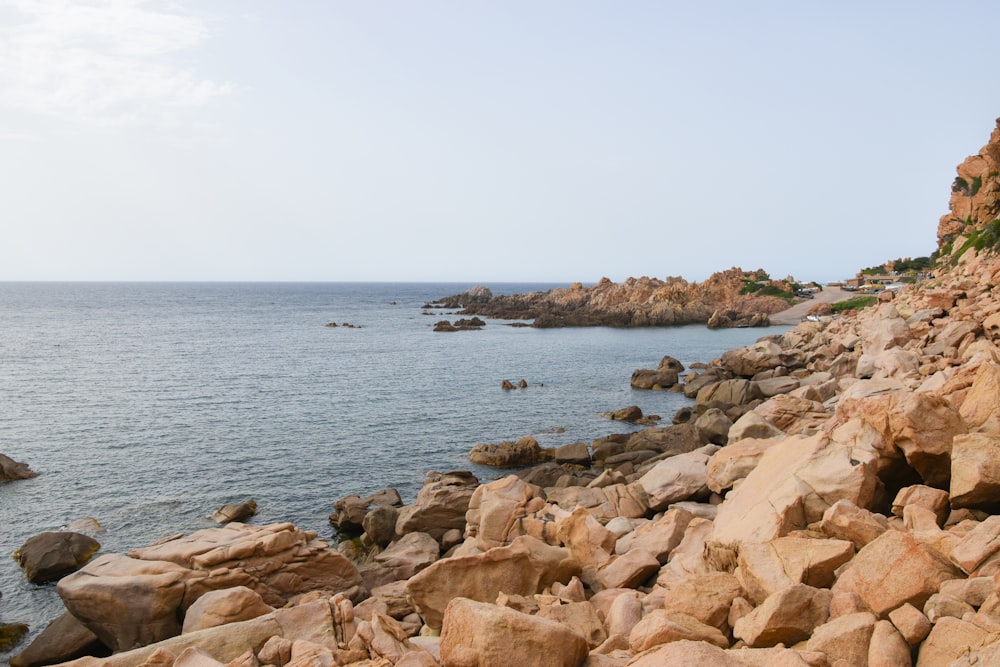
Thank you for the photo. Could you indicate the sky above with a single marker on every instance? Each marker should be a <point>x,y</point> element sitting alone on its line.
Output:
<point>472,141</point>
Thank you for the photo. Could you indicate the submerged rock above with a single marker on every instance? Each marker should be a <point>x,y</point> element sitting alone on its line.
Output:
<point>235,511</point>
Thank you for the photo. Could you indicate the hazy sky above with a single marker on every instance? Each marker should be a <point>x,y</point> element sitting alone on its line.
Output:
<point>549,140</point>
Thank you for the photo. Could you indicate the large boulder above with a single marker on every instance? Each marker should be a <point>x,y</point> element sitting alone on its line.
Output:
<point>130,601</point>
<point>752,425</point>
<point>51,555</point>
<point>349,512</point>
<point>768,567</point>
<point>524,567</point>
<point>477,634</point>
<point>845,638</point>
<point>63,639</point>
<point>235,511</point>
<point>895,569</point>
<point>920,495</point>
<point>975,471</point>
<point>402,559</point>
<point>731,392</point>
<point>884,329</point>
<point>675,439</point>
<point>688,558</point>
<point>734,462</point>
<point>893,363</point>
<point>605,503</point>
<point>11,470</point>
<point>277,560</point>
<point>508,454</point>
<point>773,386</point>
<point>317,622</point>
<point>795,482</point>
<point>951,639</point>
<point>793,415</point>
<point>588,541</point>
<point>677,478</point>
<point>662,378</point>
<point>661,627</point>
<point>441,504</point>
<point>659,537</point>
<point>979,546</point>
<point>379,525</point>
<point>496,508</point>
<point>921,425</point>
<point>229,605</point>
<point>574,453</point>
<point>846,521</point>
<point>708,597</point>
<point>696,382</point>
<point>627,414</point>
<point>764,355</point>
<point>786,617</point>
<point>580,617</point>
<point>125,601</point>
<point>713,426</point>
<point>981,406</point>
<point>628,570</point>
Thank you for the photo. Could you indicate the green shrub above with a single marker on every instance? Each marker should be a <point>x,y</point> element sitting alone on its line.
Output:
<point>774,290</point>
<point>855,303</point>
<point>915,264</point>
<point>986,238</point>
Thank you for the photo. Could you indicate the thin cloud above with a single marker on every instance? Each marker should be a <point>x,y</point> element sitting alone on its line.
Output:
<point>103,61</point>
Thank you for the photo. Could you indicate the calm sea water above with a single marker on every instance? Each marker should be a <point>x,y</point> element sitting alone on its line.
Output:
<point>147,406</point>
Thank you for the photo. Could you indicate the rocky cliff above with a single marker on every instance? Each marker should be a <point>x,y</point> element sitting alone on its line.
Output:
<point>975,194</point>
<point>728,298</point>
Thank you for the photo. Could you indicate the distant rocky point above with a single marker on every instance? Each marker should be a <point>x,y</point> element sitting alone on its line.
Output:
<point>731,298</point>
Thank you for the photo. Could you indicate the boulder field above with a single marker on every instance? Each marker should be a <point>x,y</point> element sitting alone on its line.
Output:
<point>830,501</point>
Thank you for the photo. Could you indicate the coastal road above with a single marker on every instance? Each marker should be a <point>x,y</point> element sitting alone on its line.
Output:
<point>796,313</point>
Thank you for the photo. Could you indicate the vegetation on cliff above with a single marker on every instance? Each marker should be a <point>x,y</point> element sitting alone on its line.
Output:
<point>973,220</point>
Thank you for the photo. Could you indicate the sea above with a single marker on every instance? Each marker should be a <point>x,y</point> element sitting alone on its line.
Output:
<point>147,406</point>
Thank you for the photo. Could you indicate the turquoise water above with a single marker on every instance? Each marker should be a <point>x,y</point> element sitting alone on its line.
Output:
<point>147,406</point>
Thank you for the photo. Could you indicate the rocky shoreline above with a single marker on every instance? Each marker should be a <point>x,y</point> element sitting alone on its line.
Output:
<point>828,500</point>
<point>831,499</point>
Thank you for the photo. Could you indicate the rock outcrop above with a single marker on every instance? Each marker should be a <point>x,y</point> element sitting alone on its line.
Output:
<point>975,193</point>
<point>730,296</point>
<point>11,470</point>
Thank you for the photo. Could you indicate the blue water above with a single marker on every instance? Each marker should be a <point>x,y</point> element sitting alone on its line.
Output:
<point>147,406</point>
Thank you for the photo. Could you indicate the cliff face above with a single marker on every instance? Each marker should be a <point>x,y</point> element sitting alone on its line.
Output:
<point>975,194</point>
<point>636,302</point>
